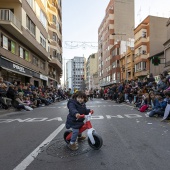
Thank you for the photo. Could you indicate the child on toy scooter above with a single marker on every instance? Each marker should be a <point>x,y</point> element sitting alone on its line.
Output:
<point>76,107</point>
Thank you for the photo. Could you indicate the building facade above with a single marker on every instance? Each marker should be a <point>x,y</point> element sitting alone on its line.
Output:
<point>26,42</point>
<point>75,73</point>
<point>167,48</point>
<point>91,71</point>
<point>150,35</point>
<point>117,25</point>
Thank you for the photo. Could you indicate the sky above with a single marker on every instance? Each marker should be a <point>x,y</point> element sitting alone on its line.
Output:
<point>82,18</point>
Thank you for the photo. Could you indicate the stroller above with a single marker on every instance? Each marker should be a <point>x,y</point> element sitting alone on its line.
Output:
<point>5,102</point>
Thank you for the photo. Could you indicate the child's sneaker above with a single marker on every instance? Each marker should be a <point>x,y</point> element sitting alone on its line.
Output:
<point>73,146</point>
<point>81,138</point>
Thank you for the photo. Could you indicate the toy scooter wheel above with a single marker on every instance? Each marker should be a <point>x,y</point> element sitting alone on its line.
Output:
<point>98,142</point>
<point>66,133</point>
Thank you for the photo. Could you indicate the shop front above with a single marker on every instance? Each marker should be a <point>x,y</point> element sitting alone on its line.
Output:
<point>12,71</point>
<point>44,80</point>
<point>52,82</point>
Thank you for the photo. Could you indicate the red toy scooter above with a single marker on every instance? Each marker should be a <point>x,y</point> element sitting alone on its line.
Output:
<point>94,140</point>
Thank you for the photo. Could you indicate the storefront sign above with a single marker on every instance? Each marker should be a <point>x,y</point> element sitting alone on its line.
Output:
<point>21,69</point>
<point>17,68</point>
<point>43,77</point>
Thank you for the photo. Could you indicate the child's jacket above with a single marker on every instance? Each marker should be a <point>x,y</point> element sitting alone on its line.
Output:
<point>75,107</point>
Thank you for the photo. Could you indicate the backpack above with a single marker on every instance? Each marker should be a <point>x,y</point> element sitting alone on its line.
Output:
<point>143,108</point>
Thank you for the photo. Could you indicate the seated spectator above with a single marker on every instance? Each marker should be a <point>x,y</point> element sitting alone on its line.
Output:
<point>145,103</point>
<point>120,98</point>
<point>158,106</point>
<point>28,92</point>
<point>29,102</point>
<point>167,109</point>
<point>19,103</point>
<point>4,100</point>
<point>11,92</point>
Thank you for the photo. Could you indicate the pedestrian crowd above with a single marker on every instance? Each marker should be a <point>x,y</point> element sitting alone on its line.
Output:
<point>146,95</point>
<point>27,96</point>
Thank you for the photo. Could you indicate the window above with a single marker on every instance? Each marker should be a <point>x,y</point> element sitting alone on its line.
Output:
<point>54,19</point>
<point>144,65</point>
<point>42,65</point>
<point>35,61</point>
<point>43,19</point>
<point>24,54</point>
<point>144,34</point>
<point>42,41</point>
<point>8,44</point>
<point>54,53</point>
<point>114,76</point>
<point>30,26</point>
<point>58,25</point>
<point>13,47</point>
<point>55,38</point>
<point>21,52</point>
<point>26,57</point>
<point>5,42</point>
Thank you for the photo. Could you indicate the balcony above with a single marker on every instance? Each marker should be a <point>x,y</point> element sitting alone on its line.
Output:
<point>9,21</point>
<point>141,73</point>
<point>141,40</point>
<point>55,61</point>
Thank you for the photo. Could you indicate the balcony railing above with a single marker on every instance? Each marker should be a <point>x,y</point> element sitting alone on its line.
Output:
<point>7,15</point>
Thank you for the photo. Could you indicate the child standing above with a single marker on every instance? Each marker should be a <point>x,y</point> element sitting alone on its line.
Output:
<point>76,107</point>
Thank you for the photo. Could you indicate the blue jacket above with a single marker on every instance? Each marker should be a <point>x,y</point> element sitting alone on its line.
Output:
<point>75,107</point>
<point>156,104</point>
<point>163,104</point>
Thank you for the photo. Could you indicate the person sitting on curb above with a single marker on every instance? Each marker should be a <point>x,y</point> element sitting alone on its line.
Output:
<point>167,109</point>
<point>158,106</point>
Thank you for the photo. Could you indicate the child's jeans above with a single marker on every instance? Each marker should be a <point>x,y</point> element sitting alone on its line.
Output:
<point>155,111</point>
<point>74,135</point>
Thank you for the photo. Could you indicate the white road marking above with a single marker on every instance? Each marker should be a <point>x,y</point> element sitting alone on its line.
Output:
<point>27,161</point>
<point>95,106</point>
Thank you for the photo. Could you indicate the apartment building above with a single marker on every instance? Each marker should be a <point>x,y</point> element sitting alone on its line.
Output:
<point>27,43</point>
<point>150,35</point>
<point>75,73</point>
<point>117,25</point>
<point>167,48</point>
<point>127,64</point>
<point>92,71</point>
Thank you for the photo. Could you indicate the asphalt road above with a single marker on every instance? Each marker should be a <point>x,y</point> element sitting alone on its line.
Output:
<point>33,140</point>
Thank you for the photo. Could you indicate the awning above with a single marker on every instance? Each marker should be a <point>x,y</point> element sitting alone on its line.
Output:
<point>15,71</point>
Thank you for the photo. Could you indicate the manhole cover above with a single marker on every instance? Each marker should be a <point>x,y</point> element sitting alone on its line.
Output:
<point>58,148</point>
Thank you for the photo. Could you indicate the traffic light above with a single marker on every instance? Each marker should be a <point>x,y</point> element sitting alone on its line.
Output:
<point>156,60</point>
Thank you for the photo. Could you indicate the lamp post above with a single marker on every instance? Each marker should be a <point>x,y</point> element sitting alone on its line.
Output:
<point>126,73</point>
